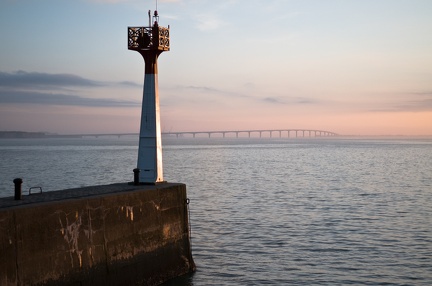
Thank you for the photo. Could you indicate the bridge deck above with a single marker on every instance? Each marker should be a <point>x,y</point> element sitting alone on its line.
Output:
<point>280,132</point>
<point>270,132</point>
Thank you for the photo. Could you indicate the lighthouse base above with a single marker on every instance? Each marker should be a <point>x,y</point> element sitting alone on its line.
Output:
<point>117,234</point>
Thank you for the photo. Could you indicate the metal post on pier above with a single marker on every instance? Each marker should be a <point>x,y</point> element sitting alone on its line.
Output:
<point>18,190</point>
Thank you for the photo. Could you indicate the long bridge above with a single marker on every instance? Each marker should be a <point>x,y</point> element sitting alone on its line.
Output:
<point>289,132</point>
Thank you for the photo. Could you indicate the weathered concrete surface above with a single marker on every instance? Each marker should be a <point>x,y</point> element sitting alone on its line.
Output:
<point>106,235</point>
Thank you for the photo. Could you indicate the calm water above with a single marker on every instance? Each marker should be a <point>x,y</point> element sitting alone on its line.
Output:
<point>270,211</point>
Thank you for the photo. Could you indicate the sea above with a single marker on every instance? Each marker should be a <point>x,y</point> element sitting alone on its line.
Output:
<point>269,211</point>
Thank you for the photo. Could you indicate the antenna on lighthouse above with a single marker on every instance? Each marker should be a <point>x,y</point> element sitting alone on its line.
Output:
<point>156,16</point>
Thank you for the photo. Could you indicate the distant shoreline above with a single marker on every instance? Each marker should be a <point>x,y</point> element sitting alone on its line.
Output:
<point>32,135</point>
<point>22,134</point>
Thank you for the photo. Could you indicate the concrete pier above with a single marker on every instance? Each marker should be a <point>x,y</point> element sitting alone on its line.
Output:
<point>116,234</point>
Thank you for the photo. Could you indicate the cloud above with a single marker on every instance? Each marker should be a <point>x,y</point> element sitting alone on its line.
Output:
<point>56,89</point>
<point>273,100</point>
<point>130,84</point>
<point>211,90</point>
<point>40,98</point>
<point>23,79</point>
<point>203,88</point>
<point>209,22</point>
<point>223,94</point>
<point>109,1</point>
<point>289,100</point>
<point>36,80</point>
<point>124,1</point>
<point>417,102</point>
<point>423,102</point>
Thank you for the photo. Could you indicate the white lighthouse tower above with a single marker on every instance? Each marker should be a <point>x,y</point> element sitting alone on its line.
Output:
<point>150,42</point>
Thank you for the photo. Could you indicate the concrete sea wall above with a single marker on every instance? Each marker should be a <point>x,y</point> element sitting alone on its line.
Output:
<point>105,235</point>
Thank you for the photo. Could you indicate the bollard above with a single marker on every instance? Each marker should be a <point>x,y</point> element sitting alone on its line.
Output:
<point>18,192</point>
<point>136,176</point>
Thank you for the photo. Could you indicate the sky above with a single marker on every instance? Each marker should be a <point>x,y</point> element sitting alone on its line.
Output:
<point>354,67</point>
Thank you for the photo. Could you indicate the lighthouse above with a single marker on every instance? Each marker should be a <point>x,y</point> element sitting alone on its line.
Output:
<point>150,42</point>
